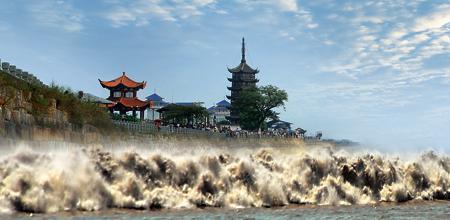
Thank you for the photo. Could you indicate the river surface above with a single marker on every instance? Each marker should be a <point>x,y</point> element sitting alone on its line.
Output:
<point>409,210</point>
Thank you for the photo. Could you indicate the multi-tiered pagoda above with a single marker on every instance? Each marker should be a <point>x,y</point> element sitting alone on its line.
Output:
<point>243,76</point>
<point>123,94</point>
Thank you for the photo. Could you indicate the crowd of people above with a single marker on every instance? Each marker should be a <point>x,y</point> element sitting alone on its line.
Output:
<point>235,132</point>
<point>277,133</point>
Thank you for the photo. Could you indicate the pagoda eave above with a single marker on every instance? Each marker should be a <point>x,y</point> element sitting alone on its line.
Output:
<point>233,89</point>
<point>122,82</point>
<point>131,103</point>
<point>243,72</point>
<point>121,86</point>
<point>243,80</point>
<point>120,105</point>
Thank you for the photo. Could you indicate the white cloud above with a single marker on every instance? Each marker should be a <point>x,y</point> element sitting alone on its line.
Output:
<point>398,33</point>
<point>369,19</point>
<point>433,21</point>
<point>305,18</point>
<point>328,42</point>
<point>57,14</point>
<point>282,5</point>
<point>141,12</point>
<point>287,5</point>
<point>419,38</point>
<point>203,2</point>
<point>399,49</point>
<point>363,97</point>
<point>221,11</point>
<point>384,59</point>
<point>302,17</point>
<point>287,35</point>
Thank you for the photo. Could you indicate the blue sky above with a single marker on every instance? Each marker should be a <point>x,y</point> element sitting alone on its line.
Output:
<point>373,71</point>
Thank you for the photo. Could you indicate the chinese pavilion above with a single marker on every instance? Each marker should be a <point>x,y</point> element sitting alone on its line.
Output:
<point>243,76</point>
<point>123,94</point>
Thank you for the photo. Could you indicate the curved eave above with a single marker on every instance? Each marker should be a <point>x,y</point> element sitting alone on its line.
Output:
<point>241,71</point>
<point>238,69</point>
<point>233,89</point>
<point>243,80</point>
<point>131,107</point>
<point>104,84</point>
<point>132,104</point>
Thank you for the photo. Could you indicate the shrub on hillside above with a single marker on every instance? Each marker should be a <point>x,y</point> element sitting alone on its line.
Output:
<point>79,112</point>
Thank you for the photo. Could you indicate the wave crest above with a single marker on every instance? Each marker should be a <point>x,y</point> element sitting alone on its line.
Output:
<point>98,179</point>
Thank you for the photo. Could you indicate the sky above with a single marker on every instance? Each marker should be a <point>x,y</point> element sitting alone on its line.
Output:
<point>376,72</point>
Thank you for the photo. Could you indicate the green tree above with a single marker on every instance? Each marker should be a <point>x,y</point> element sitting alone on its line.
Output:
<point>184,114</point>
<point>256,105</point>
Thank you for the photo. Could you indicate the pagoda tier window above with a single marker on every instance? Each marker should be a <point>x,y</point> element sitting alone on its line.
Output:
<point>117,94</point>
<point>129,94</point>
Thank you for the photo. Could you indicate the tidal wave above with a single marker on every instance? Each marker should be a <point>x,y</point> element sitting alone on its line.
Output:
<point>91,179</point>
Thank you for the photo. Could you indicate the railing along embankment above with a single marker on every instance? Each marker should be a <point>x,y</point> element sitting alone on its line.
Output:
<point>149,128</point>
<point>20,74</point>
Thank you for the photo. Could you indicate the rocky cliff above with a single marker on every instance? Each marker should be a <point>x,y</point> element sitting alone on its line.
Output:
<point>18,120</point>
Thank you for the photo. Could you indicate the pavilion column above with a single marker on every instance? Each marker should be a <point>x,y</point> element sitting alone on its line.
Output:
<point>142,115</point>
<point>134,113</point>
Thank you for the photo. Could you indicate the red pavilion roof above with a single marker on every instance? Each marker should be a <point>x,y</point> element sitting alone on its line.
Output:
<point>131,103</point>
<point>123,80</point>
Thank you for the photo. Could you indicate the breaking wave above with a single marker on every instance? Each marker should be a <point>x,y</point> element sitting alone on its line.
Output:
<point>97,178</point>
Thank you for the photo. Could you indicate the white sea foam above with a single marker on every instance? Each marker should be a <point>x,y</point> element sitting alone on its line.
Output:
<point>96,178</point>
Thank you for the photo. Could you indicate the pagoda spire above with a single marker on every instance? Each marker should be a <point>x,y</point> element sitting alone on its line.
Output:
<point>243,51</point>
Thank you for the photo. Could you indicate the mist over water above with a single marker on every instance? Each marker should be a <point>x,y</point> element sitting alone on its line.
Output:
<point>170,174</point>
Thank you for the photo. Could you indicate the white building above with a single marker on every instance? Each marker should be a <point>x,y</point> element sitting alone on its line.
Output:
<point>219,112</point>
<point>157,103</point>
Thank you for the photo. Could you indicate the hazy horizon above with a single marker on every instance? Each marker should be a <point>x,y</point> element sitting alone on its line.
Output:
<point>376,72</point>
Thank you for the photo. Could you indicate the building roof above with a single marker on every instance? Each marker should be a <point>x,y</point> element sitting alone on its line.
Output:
<point>154,97</point>
<point>124,81</point>
<point>218,109</point>
<point>278,124</point>
<point>87,97</point>
<point>188,103</point>
<point>223,103</point>
<point>131,103</point>
<point>243,67</point>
